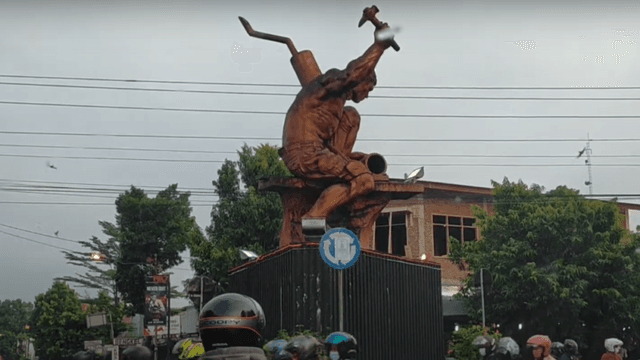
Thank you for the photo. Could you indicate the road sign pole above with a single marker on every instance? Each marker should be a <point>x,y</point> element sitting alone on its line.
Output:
<point>155,343</point>
<point>340,249</point>
<point>482,291</point>
<point>340,300</point>
<point>201,293</point>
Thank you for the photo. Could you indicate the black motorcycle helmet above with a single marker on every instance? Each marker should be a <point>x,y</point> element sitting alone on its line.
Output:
<point>231,320</point>
<point>343,344</point>
<point>137,352</point>
<point>557,349</point>
<point>571,347</point>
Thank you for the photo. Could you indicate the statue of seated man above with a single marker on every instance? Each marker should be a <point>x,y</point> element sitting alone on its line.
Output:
<point>320,131</point>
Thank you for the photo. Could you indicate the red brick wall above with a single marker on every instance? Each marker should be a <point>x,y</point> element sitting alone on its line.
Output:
<point>420,227</point>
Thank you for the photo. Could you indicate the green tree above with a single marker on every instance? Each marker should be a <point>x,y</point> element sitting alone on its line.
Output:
<point>241,219</point>
<point>14,316</point>
<point>155,229</point>
<point>58,323</point>
<point>96,278</point>
<point>115,315</point>
<point>461,344</point>
<point>564,261</point>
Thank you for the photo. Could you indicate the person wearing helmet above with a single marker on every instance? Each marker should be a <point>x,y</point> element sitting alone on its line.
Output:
<point>273,347</point>
<point>303,347</point>
<point>137,352</point>
<point>557,350</point>
<point>614,347</point>
<point>539,347</point>
<point>485,345</point>
<point>341,346</point>
<point>570,350</point>
<point>506,349</point>
<point>231,327</point>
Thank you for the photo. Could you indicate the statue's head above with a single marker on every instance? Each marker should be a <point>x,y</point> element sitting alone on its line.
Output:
<point>362,90</point>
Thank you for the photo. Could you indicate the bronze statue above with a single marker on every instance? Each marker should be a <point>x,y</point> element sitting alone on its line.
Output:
<point>320,131</point>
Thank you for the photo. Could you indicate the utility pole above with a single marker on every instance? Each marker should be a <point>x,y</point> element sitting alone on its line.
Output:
<point>588,151</point>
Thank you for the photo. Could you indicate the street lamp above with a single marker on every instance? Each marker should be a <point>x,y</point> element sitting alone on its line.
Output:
<point>97,256</point>
<point>248,255</point>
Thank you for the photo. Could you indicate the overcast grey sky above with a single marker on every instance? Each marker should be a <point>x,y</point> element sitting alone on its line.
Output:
<point>567,44</point>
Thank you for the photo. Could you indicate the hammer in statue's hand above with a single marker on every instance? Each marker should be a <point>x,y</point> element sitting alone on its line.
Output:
<point>370,15</point>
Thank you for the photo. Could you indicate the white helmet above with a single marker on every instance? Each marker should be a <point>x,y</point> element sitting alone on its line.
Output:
<point>612,343</point>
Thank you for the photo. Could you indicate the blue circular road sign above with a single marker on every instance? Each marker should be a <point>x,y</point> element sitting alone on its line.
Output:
<point>339,248</point>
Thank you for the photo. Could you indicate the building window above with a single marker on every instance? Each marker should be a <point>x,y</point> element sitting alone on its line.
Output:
<point>391,233</point>
<point>461,228</point>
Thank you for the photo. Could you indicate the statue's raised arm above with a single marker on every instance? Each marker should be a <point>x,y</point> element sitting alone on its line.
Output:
<point>335,82</point>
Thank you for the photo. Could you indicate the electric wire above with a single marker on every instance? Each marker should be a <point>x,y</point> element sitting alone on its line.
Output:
<point>294,94</point>
<point>388,164</point>
<point>298,86</point>
<point>235,152</point>
<point>93,184</point>
<point>41,234</point>
<point>35,241</point>
<point>59,238</point>
<point>259,112</point>
<point>280,138</point>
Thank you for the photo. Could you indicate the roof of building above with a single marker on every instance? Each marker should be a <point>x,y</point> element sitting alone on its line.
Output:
<point>315,245</point>
<point>477,190</point>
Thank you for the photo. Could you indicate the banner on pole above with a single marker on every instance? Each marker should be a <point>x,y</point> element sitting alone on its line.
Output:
<point>156,304</point>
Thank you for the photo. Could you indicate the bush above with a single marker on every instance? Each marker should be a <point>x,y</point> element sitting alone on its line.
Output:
<point>462,341</point>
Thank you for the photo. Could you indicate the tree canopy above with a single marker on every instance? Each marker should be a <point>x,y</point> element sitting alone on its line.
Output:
<point>147,229</point>
<point>562,265</point>
<point>58,323</point>
<point>241,219</point>
<point>14,317</point>
<point>98,278</point>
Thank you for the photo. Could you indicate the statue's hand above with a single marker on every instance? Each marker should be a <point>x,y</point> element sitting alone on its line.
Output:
<point>384,35</point>
<point>357,156</point>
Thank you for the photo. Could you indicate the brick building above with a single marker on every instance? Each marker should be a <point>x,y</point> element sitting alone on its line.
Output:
<point>419,228</point>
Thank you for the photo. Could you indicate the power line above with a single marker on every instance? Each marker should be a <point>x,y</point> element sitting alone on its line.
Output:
<point>62,189</point>
<point>298,86</point>
<point>57,238</point>
<point>86,195</point>
<point>117,149</point>
<point>107,158</point>
<point>389,164</point>
<point>594,197</point>
<point>93,184</point>
<point>41,234</point>
<point>294,94</point>
<point>279,138</point>
<point>62,248</point>
<point>235,152</point>
<point>35,241</point>
<point>94,106</point>
<point>220,161</point>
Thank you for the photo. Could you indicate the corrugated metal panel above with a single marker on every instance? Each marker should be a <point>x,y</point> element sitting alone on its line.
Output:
<point>392,307</point>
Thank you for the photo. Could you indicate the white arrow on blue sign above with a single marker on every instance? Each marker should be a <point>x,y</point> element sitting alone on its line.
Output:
<point>339,248</point>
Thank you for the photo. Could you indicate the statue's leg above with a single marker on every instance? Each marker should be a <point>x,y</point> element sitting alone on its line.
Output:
<point>364,213</point>
<point>337,195</point>
<point>345,136</point>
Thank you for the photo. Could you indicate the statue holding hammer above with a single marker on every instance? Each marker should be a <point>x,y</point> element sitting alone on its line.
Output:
<point>320,130</point>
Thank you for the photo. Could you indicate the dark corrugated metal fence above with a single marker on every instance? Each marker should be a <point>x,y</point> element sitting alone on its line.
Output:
<point>392,307</point>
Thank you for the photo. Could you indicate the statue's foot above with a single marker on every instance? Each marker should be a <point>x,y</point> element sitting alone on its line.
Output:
<point>380,177</point>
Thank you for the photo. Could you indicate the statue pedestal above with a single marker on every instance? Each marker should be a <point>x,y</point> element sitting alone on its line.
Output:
<point>298,196</point>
